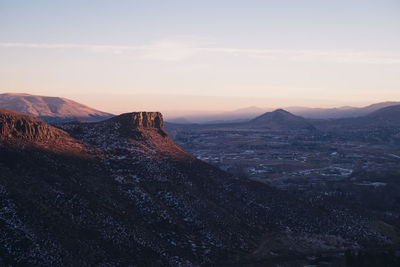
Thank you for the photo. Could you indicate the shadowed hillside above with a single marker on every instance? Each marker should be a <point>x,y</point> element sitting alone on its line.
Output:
<point>138,198</point>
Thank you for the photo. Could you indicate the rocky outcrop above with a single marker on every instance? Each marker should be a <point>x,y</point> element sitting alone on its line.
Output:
<point>141,129</point>
<point>139,121</point>
<point>24,131</point>
<point>20,126</point>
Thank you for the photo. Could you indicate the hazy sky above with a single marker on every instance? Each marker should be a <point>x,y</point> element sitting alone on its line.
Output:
<point>202,55</point>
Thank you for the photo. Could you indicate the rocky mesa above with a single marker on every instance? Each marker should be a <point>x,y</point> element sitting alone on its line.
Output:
<point>142,119</point>
<point>139,199</point>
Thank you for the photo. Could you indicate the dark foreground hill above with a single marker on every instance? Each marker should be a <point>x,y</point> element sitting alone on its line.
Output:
<point>120,192</point>
<point>50,109</point>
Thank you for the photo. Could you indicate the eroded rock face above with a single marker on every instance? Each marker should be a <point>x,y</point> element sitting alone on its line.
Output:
<point>135,123</point>
<point>22,130</point>
<point>141,129</point>
<point>141,120</point>
<point>16,125</point>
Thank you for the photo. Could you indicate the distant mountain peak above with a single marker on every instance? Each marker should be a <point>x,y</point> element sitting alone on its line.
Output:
<point>276,114</point>
<point>50,109</point>
<point>282,111</point>
<point>280,119</point>
<point>17,94</point>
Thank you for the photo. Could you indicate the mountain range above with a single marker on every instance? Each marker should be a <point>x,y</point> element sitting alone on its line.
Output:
<point>120,192</point>
<point>282,120</point>
<point>342,112</point>
<point>246,114</point>
<point>57,109</point>
<point>379,119</point>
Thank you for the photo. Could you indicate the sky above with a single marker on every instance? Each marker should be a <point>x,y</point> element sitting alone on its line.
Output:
<point>188,55</point>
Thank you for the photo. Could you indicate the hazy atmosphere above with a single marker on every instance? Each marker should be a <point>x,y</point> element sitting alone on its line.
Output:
<point>200,133</point>
<point>177,56</point>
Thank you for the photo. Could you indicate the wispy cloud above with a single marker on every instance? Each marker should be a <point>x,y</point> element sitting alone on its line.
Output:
<point>164,50</point>
<point>181,50</point>
<point>339,56</point>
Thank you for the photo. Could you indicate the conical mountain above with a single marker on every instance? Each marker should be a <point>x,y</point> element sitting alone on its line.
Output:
<point>280,120</point>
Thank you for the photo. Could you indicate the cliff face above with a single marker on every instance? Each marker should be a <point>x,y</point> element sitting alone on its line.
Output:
<point>141,120</point>
<point>139,129</point>
<point>22,130</point>
<point>135,123</point>
<point>15,125</point>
